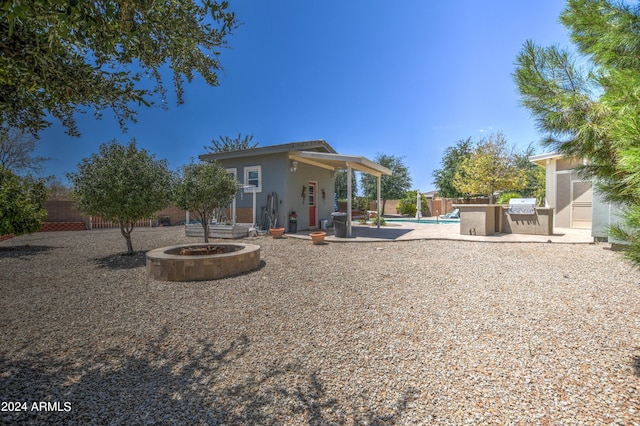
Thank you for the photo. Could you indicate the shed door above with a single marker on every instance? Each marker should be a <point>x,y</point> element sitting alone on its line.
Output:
<point>582,202</point>
<point>312,205</point>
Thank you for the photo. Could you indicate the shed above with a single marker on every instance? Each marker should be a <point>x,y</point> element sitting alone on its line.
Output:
<point>576,202</point>
<point>299,177</point>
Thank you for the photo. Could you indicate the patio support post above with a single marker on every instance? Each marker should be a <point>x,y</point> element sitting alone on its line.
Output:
<point>378,201</point>
<point>233,210</point>
<point>348,200</point>
<point>253,190</point>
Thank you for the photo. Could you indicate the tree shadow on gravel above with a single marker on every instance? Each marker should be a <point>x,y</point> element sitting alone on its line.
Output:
<point>122,261</point>
<point>23,251</point>
<point>168,384</point>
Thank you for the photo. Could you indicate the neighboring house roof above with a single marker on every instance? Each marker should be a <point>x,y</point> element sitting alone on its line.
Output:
<point>317,145</point>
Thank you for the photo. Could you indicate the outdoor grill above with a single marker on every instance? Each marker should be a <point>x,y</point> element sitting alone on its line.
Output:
<point>522,206</point>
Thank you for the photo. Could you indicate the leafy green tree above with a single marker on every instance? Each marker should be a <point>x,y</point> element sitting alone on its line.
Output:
<point>534,175</point>
<point>122,184</point>
<point>226,144</point>
<point>407,205</point>
<point>391,187</point>
<point>21,203</point>
<point>60,58</point>
<point>490,169</point>
<point>203,188</point>
<point>592,113</point>
<point>341,184</point>
<point>16,151</point>
<point>451,161</point>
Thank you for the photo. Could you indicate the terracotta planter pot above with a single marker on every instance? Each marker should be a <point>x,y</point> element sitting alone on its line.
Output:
<point>277,232</point>
<point>318,237</point>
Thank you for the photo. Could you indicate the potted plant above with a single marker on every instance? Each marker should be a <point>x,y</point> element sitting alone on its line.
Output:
<point>277,232</point>
<point>318,237</point>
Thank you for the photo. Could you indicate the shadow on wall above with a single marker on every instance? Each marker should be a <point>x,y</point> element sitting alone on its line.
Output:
<point>163,382</point>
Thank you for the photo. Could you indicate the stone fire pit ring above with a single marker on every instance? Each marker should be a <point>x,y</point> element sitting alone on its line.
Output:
<point>167,264</point>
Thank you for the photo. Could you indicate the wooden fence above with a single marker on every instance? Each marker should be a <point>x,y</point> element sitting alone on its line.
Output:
<point>100,223</point>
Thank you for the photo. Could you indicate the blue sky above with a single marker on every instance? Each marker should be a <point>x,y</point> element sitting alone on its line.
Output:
<point>406,78</point>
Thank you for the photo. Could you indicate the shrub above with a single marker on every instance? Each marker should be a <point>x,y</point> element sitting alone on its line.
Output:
<point>360,204</point>
<point>506,196</point>
<point>407,205</point>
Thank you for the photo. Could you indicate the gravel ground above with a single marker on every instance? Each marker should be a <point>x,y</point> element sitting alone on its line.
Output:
<point>418,332</point>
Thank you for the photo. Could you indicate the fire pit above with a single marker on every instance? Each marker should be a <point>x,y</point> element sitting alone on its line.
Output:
<point>199,262</point>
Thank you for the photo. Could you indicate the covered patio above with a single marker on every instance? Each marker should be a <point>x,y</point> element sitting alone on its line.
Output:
<point>349,163</point>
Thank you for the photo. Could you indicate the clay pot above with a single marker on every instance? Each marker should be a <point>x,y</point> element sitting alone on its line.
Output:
<point>318,237</point>
<point>277,232</point>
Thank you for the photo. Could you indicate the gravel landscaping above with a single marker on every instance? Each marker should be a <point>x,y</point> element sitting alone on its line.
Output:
<point>415,332</point>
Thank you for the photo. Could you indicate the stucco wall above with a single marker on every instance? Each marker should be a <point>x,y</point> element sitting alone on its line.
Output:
<point>278,178</point>
<point>304,174</point>
<point>539,223</point>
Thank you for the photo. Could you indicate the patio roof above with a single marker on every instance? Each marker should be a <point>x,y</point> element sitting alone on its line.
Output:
<point>338,162</point>
<point>541,159</point>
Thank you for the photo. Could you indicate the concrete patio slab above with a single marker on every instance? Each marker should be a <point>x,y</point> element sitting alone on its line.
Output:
<point>406,231</point>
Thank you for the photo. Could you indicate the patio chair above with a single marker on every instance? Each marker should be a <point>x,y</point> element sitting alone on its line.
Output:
<point>455,214</point>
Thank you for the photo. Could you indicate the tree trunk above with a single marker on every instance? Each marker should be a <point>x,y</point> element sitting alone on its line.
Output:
<point>382,209</point>
<point>125,230</point>
<point>205,226</point>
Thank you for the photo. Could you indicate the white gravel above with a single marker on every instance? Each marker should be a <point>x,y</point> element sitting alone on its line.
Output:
<point>418,332</point>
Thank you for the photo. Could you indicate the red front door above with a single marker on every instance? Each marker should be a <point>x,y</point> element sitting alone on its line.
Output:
<point>313,222</point>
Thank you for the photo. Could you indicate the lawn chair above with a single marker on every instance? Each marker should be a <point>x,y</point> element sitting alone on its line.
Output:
<point>453,215</point>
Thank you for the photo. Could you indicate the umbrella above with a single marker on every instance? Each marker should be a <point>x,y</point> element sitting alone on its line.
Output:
<point>418,206</point>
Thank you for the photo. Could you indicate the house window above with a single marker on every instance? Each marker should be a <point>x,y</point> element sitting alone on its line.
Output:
<point>233,172</point>
<point>253,177</point>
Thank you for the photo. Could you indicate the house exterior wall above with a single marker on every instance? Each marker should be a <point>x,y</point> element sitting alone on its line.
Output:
<point>273,179</point>
<point>304,174</point>
<point>277,177</point>
<point>604,214</point>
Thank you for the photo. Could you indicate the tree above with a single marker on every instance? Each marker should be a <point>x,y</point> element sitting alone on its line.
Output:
<point>203,188</point>
<point>592,113</point>
<point>59,58</point>
<point>491,168</point>
<point>341,184</point>
<point>226,144</point>
<point>451,160</point>
<point>16,151</point>
<point>534,175</point>
<point>408,205</point>
<point>21,203</point>
<point>122,184</point>
<point>391,187</point>
<point>58,190</point>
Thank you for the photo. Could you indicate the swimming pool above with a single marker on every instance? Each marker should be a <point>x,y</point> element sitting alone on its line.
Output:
<point>425,221</point>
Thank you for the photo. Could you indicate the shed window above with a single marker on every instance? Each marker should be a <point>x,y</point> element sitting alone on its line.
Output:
<point>253,177</point>
<point>233,172</point>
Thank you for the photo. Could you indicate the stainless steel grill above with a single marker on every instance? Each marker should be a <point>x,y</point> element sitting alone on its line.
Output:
<point>522,206</point>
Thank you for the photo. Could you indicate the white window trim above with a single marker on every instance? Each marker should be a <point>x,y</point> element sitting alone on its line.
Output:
<point>248,169</point>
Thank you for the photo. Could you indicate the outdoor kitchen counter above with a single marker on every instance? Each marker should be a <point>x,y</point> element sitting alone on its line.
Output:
<point>489,219</point>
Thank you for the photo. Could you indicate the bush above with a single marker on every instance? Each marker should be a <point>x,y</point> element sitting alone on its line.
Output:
<point>361,204</point>
<point>407,205</point>
<point>506,196</point>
